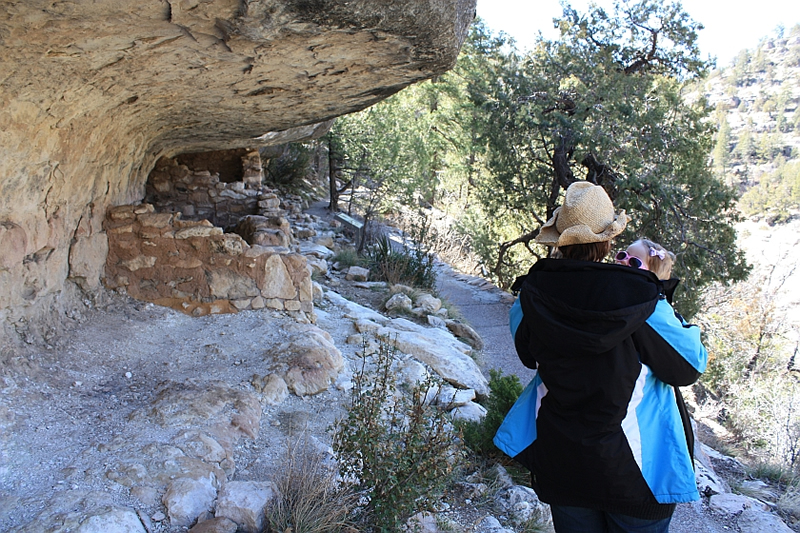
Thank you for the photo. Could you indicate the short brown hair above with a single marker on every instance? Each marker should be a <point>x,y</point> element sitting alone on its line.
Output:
<point>593,251</point>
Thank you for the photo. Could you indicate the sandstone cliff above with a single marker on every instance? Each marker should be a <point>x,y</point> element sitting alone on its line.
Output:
<point>93,93</point>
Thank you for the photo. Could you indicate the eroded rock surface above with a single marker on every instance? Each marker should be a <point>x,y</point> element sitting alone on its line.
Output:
<point>94,93</point>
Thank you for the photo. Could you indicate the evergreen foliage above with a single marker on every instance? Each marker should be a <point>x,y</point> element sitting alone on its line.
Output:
<point>761,87</point>
<point>496,141</point>
<point>396,450</point>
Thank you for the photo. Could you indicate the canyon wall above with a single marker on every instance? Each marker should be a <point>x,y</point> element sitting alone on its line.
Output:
<point>93,93</point>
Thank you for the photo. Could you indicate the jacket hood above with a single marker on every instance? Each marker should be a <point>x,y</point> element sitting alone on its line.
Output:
<point>583,308</point>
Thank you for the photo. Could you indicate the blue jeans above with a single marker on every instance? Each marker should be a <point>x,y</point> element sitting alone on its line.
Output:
<point>581,520</point>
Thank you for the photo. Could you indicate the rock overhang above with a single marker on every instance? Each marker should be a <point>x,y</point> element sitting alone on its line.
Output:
<point>93,93</point>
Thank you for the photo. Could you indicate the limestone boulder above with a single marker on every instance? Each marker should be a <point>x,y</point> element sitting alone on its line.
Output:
<point>215,525</point>
<point>427,303</point>
<point>357,273</point>
<point>114,521</point>
<point>314,364</point>
<point>186,499</point>
<point>181,404</point>
<point>399,302</point>
<point>466,332</point>
<point>243,502</point>
<point>439,350</point>
<point>470,412</point>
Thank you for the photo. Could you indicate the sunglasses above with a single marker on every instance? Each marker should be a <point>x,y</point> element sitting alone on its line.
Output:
<point>632,260</point>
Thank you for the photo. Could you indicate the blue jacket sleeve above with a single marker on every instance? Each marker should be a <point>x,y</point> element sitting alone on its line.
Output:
<point>515,317</point>
<point>670,347</point>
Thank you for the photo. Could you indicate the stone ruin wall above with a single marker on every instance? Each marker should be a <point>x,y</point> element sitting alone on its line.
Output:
<point>194,267</point>
<point>174,252</point>
<point>95,93</point>
<point>220,186</point>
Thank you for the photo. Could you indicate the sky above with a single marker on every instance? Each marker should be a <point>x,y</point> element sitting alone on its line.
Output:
<point>730,26</point>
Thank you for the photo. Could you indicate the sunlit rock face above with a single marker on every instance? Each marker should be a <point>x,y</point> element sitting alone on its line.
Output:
<point>94,92</point>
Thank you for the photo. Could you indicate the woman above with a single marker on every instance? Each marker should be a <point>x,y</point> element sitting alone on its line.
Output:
<point>599,426</point>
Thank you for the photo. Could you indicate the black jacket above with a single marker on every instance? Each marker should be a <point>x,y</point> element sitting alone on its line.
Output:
<point>607,347</point>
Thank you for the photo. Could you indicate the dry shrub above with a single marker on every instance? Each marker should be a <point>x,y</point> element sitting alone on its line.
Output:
<point>309,499</point>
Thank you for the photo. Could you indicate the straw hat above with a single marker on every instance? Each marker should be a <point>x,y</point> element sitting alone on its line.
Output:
<point>587,216</point>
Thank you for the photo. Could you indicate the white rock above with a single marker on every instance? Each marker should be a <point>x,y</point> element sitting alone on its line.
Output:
<point>413,372</point>
<point>244,502</point>
<point>731,504</point>
<point>428,303</point>
<point>357,273</point>
<point>471,412</point>
<point>491,524</point>
<point>367,326</point>
<point>356,339</point>
<point>517,494</point>
<point>323,252</point>
<point>399,301</point>
<point>757,521</point>
<point>354,310</point>
<point>439,350</point>
<point>317,292</point>
<point>314,361</point>
<point>187,498</point>
<point>116,521</point>
<point>370,284</point>
<point>452,397</point>
<point>318,265</point>
<point>325,240</point>
<point>274,390</point>
<point>437,322</point>
<point>708,483</point>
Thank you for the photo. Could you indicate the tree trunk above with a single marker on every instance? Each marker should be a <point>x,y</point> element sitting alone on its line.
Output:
<point>333,170</point>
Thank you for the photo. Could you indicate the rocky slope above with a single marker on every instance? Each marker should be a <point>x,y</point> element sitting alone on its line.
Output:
<point>145,419</point>
<point>758,99</point>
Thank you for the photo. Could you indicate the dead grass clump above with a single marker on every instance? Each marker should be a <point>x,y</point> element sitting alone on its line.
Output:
<point>309,499</point>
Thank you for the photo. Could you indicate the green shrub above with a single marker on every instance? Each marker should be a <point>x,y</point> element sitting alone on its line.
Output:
<point>504,392</point>
<point>348,257</point>
<point>395,449</point>
<point>291,165</point>
<point>407,265</point>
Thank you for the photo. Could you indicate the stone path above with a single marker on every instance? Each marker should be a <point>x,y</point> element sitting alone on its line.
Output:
<point>485,308</point>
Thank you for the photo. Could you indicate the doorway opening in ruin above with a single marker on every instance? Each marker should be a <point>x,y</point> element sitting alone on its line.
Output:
<point>221,187</point>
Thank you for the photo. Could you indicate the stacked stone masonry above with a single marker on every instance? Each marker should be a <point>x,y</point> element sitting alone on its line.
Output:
<point>194,267</point>
<point>198,192</point>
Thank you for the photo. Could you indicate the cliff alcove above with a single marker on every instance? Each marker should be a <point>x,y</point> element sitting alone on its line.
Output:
<point>95,93</point>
